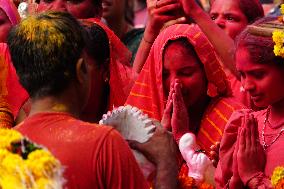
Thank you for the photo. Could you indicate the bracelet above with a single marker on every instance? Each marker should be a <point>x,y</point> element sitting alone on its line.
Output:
<point>149,42</point>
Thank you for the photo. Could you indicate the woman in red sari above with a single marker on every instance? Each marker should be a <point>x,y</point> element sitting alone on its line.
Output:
<point>183,53</point>
<point>12,95</point>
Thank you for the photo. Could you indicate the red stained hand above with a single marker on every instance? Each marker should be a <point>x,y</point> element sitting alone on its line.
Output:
<point>250,155</point>
<point>161,12</point>
<point>167,115</point>
<point>180,120</point>
<point>175,117</point>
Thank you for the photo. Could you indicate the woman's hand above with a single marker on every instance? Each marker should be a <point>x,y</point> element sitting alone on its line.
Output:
<point>180,119</point>
<point>235,181</point>
<point>161,12</point>
<point>250,155</point>
<point>167,115</point>
<point>175,117</point>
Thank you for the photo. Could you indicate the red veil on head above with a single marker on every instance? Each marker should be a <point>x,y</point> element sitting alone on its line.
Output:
<point>147,92</point>
<point>121,75</point>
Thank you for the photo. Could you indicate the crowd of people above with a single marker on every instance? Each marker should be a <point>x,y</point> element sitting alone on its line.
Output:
<point>214,69</point>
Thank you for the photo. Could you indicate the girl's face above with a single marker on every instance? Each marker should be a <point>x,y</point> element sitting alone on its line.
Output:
<point>264,82</point>
<point>182,63</point>
<point>5,26</point>
<point>228,16</point>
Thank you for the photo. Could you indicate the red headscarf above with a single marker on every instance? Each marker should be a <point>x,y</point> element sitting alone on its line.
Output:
<point>147,92</point>
<point>121,75</point>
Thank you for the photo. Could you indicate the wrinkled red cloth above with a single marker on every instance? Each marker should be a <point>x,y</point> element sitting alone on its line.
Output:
<point>11,90</point>
<point>148,95</point>
<point>274,153</point>
<point>10,10</point>
<point>94,156</point>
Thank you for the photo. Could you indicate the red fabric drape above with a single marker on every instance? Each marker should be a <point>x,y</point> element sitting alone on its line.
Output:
<point>11,90</point>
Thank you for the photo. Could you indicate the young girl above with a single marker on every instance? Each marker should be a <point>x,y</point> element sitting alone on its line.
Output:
<point>252,145</point>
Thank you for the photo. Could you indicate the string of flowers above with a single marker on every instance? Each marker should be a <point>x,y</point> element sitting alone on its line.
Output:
<point>278,36</point>
<point>277,178</point>
<point>25,165</point>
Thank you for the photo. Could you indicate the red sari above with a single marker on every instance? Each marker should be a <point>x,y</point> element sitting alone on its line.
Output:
<point>148,95</point>
<point>11,92</point>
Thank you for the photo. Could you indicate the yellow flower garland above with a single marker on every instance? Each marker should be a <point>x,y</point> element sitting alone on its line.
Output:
<point>282,9</point>
<point>278,36</point>
<point>277,175</point>
<point>39,170</point>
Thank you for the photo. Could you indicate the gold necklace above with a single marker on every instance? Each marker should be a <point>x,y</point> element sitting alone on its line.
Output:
<point>264,144</point>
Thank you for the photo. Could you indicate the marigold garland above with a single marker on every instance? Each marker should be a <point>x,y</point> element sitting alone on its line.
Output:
<point>282,9</point>
<point>278,38</point>
<point>277,175</point>
<point>24,165</point>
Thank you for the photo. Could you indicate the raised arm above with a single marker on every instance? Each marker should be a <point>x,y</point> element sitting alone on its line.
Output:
<point>161,12</point>
<point>223,44</point>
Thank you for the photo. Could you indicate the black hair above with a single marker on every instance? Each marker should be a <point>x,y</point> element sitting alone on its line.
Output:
<point>259,47</point>
<point>97,45</point>
<point>45,49</point>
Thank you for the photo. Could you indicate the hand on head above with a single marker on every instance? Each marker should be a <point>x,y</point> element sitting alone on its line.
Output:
<point>175,116</point>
